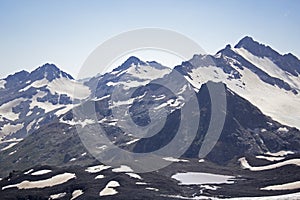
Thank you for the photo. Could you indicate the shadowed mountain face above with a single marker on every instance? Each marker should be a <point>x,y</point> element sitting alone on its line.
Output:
<point>246,130</point>
<point>140,107</point>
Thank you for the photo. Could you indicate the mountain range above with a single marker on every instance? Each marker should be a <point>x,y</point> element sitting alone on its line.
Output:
<point>48,119</point>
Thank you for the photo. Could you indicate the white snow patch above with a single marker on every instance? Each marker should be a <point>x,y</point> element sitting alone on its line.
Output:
<point>55,180</point>
<point>285,186</point>
<point>29,113</point>
<point>109,189</point>
<point>210,187</point>
<point>101,98</point>
<point>11,153</point>
<point>160,97</point>
<point>2,83</point>
<point>64,109</point>
<point>36,84</point>
<point>283,129</point>
<point>199,178</point>
<point>41,172</point>
<point>29,171</point>
<point>9,146</point>
<point>153,189</point>
<point>133,175</point>
<point>76,193</point>
<point>72,88</point>
<point>132,141</point>
<point>122,103</point>
<point>171,159</point>
<point>147,72</point>
<point>83,123</point>
<point>47,106</point>
<point>113,184</point>
<point>280,153</point>
<point>6,109</point>
<point>144,73</point>
<point>270,158</point>
<point>57,196</point>
<point>12,140</point>
<point>122,168</point>
<point>10,129</point>
<point>141,183</point>
<point>97,168</point>
<point>29,126</point>
<point>102,147</point>
<point>172,103</point>
<point>128,84</point>
<point>246,165</point>
<point>263,130</point>
<point>100,176</point>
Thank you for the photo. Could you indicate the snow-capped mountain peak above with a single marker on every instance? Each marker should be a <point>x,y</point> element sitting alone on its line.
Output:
<point>28,100</point>
<point>287,62</point>
<point>134,62</point>
<point>50,72</point>
<point>131,74</point>
<point>256,72</point>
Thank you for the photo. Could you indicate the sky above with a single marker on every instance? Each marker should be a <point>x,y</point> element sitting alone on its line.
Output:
<point>65,32</point>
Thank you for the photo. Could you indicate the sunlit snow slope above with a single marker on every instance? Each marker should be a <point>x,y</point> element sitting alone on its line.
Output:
<point>256,72</point>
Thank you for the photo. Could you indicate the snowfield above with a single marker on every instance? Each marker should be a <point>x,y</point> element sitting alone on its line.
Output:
<point>246,165</point>
<point>269,158</point>
<point>109,189</point>
<point>285,105</point>
<point>76,193</point>
<point>58,196</point>
<point>41,172</point>
<point>138,75</point>
<point>280,153</point>
<point>83,123</point>
<point>286,186</point>
<point>55,180</point>
<point>171,159</point>
<point>133,175</point>
<point>9,146</point>
<point>153,189</point>
<point>100,176</point>
<point>6,109</point>
<point>122,168</point>
<point>269,67</point>
<point>97,168</point>
<point>72,88</point>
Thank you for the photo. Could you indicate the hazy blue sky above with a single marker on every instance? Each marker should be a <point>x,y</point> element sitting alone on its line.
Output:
<point>65,32</point>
